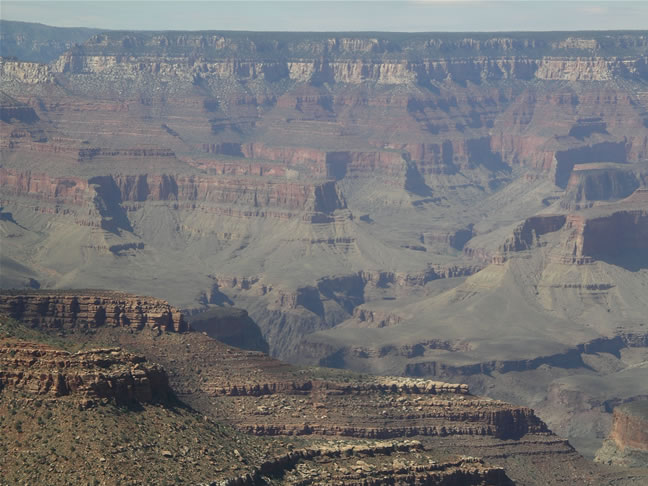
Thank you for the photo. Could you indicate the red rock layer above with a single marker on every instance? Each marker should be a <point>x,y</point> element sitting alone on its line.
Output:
<point>186,190</point>
<point>67,309</point>
<point>70,190</point>
<point>40,370</point>
<point>630,426</point>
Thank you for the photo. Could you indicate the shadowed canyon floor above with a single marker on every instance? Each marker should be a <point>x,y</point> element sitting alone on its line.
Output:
<point>463,207</point>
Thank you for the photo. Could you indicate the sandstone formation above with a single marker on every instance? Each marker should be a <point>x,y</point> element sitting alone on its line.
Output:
<point>85,376</point>
<point>90,309</point>
<point>338,465</point>
<point>627,443</point>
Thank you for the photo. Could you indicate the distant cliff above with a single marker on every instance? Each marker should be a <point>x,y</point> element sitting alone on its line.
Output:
<point>627,443</point>
<point>89,308</point>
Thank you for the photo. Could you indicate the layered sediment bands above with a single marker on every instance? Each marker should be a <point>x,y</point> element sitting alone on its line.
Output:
<point>248,193</point>
<point>347,291</point>
<point>320,163</point>
<point>266,397</point>
<point>69,190</point>
<point>87,155</point>
<point>352,284</point>
<point>379,411</point>
<point>597,123</point>
<point>83,60</point>
<point>69,309</point>
<point>26,72</point>
<point>345,465</point>
<point>373,318</point>
<point>85,376</point>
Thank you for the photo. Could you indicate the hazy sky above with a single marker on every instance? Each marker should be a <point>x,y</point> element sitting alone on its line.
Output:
<point>317,15</point>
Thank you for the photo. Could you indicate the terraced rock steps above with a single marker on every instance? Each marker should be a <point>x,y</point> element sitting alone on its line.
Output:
<point>90,309</point>
<point>84,377</point>
<point>315,425</point>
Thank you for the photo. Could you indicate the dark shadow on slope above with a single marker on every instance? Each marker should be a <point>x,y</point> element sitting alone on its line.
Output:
<point>219,298</point>
<point>632,260</point>
<point>108,203</point>
<point>414,181</point>
<point>232,326</point>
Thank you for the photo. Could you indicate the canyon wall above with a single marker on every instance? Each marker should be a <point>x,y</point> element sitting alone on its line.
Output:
<point>627,442</point>
<point>630,426</point>
<point>84,377</point>
<point>91,309</point>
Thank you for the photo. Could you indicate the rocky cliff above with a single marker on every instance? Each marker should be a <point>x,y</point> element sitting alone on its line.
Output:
<point>627,443</point>
<point>609,235</point>
<point>84,377</point>
<point>90,309</point>
<point>401,57</point>
<point>264,198</point>
<point>590,184</point>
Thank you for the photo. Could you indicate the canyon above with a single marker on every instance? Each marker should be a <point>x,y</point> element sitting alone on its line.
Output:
<point>450,207</point>
<point>277,422</point>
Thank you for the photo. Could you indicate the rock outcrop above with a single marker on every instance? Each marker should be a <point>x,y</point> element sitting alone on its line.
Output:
<point>627,443</point>
<point>340,465</point>
<point>263,396</point>
<point>527,234</point>
<point>604,235</point>
<point>216,195</point>
<point>90,309</point>
<point>85,377</point>
<point>329,181</point>
<point>590,184</point>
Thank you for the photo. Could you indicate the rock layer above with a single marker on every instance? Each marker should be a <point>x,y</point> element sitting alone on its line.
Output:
<point>85,376</point>
<point>92,309</point>
<point>627,443</point>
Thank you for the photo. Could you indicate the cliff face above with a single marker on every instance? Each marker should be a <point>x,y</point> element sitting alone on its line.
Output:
<point>630,426</point>
<point>475,69</point>
<point>71,190</point>
<point>325,58</point>
<point>590,183</point>
<point>627,442</point>
<point>607,235</point>
<point>526,235</point>
<point>91,309</point>
<point>86,376</point>
<point>184,191</point>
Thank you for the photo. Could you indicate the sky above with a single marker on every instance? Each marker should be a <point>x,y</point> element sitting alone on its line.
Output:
<point>331,15</point>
